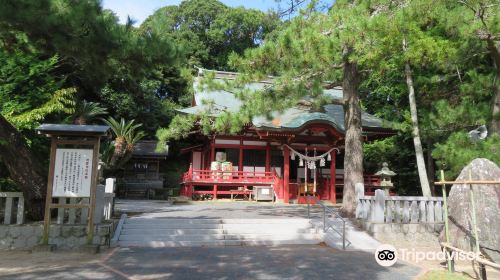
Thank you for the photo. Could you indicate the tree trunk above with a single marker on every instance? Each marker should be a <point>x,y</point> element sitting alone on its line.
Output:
<point>80,121</point>
<point>128,155</point>
<point>353,159</point>
<point>119,152</point>
<point>419,153</point>
<point>26,171</point>
<point>431,168</point>
<point>495,56</point>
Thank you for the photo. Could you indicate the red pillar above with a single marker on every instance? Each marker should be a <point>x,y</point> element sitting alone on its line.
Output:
<point>286,175</point>
<point>268,158</point>
<point>333,175</point>
<point>215,192</point>
<point>240,162</point>
<point>212,152</point>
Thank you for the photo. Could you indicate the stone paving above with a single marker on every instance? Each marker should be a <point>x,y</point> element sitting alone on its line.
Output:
<point>220,210</point>
<point>281,262</point>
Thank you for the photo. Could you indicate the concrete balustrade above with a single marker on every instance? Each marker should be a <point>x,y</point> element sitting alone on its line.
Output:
<point>399,209</point>
<point>411,218</point>
<point>12,205</point>
<point>103,209</point>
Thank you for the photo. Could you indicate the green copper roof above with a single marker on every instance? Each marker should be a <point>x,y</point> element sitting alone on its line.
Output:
<point>216,102</point>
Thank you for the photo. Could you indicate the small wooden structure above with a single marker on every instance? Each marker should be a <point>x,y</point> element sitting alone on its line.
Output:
<point>141,174</point>
<point>72,171</point>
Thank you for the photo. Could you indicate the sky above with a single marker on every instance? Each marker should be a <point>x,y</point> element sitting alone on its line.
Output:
<point>139,10</point>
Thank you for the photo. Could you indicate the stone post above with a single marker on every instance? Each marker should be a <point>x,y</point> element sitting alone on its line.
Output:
<point>378,209</point>
<point>99,204</point>
<point>359,190</point>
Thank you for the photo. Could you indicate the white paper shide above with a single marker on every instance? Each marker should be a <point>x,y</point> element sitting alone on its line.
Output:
<point>72,173</point>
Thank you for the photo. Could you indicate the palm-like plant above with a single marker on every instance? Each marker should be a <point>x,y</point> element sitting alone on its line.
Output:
<point>131,138</point>
<point>123,130</point>
<point>86,112</point>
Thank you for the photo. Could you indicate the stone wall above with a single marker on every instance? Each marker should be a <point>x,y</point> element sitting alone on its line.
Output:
<point>412,233</point>
<point>65,237</point>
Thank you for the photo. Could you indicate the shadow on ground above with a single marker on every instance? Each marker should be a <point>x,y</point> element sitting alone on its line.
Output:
<point>282,262</point>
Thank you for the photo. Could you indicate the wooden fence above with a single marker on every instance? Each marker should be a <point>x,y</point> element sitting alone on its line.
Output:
<point>400,209</point>
<point>11,205</point>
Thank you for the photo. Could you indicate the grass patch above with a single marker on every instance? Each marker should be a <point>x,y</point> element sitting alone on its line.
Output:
<point>442,275</point>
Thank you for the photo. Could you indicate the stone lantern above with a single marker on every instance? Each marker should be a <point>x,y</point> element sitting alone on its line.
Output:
<point>386,174</point>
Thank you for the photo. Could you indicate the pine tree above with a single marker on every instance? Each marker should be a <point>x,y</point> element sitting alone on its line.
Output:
<point>313,51</point>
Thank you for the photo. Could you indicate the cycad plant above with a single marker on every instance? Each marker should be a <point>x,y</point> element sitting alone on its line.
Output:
<point>86,112</point>
<point>131,138</point>
<point>124,131</point>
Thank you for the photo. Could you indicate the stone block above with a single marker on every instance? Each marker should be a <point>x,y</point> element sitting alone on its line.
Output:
<point>4,231</point>
<point>421,228</point>
<point>43,248</point>
<point>413,228</point>
<point>82,241</point>
<point>37,230</point>
<point>103,230</point>
<point>396,228</point>
<point>55,231</point>
<point>5,243</point>
<point>97,240</point>
<point>71,241</point>
<point>15,231</point>
<point>405,228</point>
<point>19,243</point>
<point>32,240</point>
<point>90,249</point>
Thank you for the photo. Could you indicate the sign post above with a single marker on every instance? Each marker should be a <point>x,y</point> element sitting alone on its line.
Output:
<point>72,170</point>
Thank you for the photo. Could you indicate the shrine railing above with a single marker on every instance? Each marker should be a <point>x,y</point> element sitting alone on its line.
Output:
<point>371,183</point>
<point>217,176</point>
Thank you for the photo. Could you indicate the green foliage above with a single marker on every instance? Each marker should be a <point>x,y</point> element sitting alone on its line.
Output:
<point>86,112</point>
<point>122,128</point>
<point>208,31</point>
<point>180,127</point>
<point>61,101</point>
<point>7,185</point>
<point>126,135</point>
<point>127,71</point>
<point>399,153</point>
<point>29,90</point>
<point>458,151</point>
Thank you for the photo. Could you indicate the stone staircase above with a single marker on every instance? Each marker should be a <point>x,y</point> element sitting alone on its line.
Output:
<point>169,232</point>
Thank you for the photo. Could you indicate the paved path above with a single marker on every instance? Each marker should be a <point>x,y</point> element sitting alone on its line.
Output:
<point>204,210</point>
<point>284,262</point>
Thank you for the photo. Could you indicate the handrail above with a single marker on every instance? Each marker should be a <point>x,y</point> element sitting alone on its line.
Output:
<point>227,176</point>
<point>326,224</point>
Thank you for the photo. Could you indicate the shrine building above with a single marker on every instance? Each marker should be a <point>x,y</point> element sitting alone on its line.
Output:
<point>297,152</point>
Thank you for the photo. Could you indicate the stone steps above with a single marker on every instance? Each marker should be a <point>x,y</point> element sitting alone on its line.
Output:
<point>168,231</point>
<point>216,243</point>
<point>215,221</point>
<point>203,237</point>
<point>216,232</point>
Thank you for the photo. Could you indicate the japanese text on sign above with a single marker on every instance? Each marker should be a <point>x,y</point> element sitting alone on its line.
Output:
<point>72,173</point>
